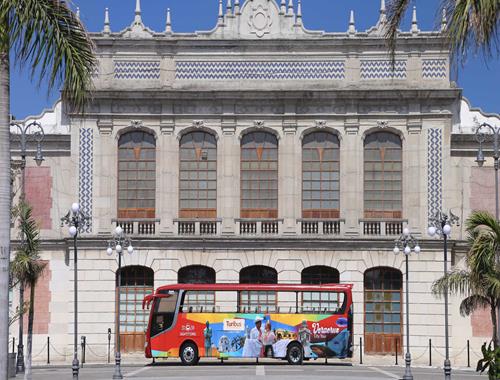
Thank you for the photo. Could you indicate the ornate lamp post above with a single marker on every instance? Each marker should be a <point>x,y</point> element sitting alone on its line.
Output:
<point>38,136</point>
<point>406,243</point>
<point>117,243</point>
<point>440,225</point>
<point>75,219</point>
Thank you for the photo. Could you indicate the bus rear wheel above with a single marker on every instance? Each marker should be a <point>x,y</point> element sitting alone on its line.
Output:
<point>189,354</point>
<point>295,354</point>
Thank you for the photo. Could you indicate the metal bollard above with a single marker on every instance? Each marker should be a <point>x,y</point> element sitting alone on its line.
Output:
<point>13,344</point>
<point>83,341</point>
<point>109,345</point>
<point>430,352</point>
<point>397,351</point>
<point>468,353</point>
<point>360,350</point>
<point>48,350</point>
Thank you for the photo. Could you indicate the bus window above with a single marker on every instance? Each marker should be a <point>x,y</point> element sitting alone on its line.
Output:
<point>198,301</point>
<point>164,313</point>
<point>257,301</point>
<point>287,302</point>
<point>323,302</point>
<point>226,301</point>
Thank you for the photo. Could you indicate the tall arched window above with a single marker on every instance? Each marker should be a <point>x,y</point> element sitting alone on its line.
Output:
<point>198,176</point>
<point>197,300</point>
<point>256,300</point>
<point>136,175</point>
<point>136,282</point>
<point>259,175</point>
<point>320,274</point>
<point>320,175</point>
<point>383,318</point>
<point>383,176</point>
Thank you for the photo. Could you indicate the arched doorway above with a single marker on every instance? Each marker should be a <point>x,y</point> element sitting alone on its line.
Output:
<point>136,283</point>
<point>383,289</point>
<point>197,300</point>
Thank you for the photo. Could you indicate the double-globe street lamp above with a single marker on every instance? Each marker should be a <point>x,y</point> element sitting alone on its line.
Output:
<point>407,243</point>
<point>32,131</point>
<point>440,225</point>
<point>117,244</point>
<point>75,219</point>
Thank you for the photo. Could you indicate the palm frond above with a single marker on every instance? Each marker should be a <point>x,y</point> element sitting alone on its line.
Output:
<point>48,35</point>
<point>396,10</point>
<point>473,303</point>
<point>458,282</point>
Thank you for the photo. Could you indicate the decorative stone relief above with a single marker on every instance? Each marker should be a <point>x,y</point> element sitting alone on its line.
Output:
<point>260,70</point>
<point>198,123</point>
<point>259,124</point>
<point>86,175</point>
<point>382,69</point>
<point>434,171</point>
<point>136,123</point>
<point>434,69</point>
<point>382,124</point>
<point>320,124</point>
<point>260,20</point>
<point>142,70</point>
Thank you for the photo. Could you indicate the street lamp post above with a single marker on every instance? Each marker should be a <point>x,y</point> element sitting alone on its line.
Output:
<point>117,243</point>
<point>75,219</point>
<point>38,136</point>
<point>406,243</point>
<point>440,225</point>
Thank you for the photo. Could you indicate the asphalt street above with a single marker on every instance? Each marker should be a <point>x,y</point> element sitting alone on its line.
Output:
<point>243,371</point>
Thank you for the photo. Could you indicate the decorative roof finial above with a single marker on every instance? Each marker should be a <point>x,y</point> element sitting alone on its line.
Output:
<point>383,16</point>
<point>352,26</point>
<point>237,7</point>
<point>444,21</point>
<point>138,18</point>
<point>414,22</point>
<point>229,7</point>
<point>168,28</point>
<point>290,8</point>
<point>107,27</point>
<point>299,12</point>
<point>221,13</point>
<point>78,13</point>
<point>283,7</point>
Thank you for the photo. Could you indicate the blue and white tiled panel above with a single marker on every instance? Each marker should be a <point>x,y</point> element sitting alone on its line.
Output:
<point>260,70</point>
<point>137,70</point>
<point>86,175</point>
<point>434,69</point>
<point>383,69</point>
<point>434,171</point>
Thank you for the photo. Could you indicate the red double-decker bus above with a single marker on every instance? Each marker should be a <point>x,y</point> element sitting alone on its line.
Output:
<point>292,322</point>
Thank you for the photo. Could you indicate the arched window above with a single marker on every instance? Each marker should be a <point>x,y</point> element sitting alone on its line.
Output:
<point>255,300</point>
<point>320,274</point>
<point>197,300</point>
<point>136,175</point>
<point>259,175</point>
<point>383,176</point>
<point>198,176</point>
<point>383,318</point>
<point>320,175</point>
<point>136,282</point>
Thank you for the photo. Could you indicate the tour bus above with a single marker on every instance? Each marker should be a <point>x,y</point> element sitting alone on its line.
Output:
<point>292,322</point>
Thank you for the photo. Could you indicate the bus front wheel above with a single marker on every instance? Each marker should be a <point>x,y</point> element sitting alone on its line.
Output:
<point>189,354</point>
<point>295,354</point>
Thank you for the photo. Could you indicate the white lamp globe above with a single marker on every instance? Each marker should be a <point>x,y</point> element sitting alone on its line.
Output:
<point>72,231</point>
<point>447,229</point>
<point>431,231</point>
<point>406,231</point>
<point>75,207</point>
<point>119,248</point>
<point>130,249</point>
<point>417,249</point>
<point>395,250</point>
<point>118,230</point>
<point>109,251</point>
<point>407,250</point>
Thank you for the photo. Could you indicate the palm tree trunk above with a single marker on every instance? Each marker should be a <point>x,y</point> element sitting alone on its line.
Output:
<point>29,339</point>
<point>4,196</point>
<point>495,327</point>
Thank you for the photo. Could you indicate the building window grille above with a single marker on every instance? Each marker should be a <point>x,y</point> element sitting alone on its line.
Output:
<point>259,175</point>
<point>198,176</point>
<point>136,175</point>
<point>320,176</point>
<point>383,176</point>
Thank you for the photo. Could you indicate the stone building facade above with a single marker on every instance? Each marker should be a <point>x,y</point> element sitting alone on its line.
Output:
<point>260,149</point>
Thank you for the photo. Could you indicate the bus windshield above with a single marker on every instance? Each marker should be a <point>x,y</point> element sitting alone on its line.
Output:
<point>164,311</point>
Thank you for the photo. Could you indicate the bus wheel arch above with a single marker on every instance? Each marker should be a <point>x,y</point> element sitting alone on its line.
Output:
<point>295,353</point>
<point>188,353</point>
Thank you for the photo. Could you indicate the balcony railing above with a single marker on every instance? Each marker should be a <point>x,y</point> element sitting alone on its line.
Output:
<point>321,226</point>
<point>137,226</point>
<point>197,227</point>
<point>387,227</point>
<point>259,227</point>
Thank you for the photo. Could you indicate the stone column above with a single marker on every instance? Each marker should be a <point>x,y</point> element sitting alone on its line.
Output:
<point>228,177</point>
<point>167,178</point>
<point>288,160</point>
<point>351,174</point>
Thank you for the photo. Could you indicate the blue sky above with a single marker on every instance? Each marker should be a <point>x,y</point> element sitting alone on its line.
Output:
<point>480,79</point>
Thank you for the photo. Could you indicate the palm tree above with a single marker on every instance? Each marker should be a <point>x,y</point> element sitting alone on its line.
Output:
<point>27,269</point>
<point>472,24</point>
<point>479,283</point>
<point>44,35</point>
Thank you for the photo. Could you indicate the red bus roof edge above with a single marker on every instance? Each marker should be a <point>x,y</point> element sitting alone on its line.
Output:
<point>240,287</point>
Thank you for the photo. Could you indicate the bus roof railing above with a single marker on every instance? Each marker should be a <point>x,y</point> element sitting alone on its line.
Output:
<point>258,287</point>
